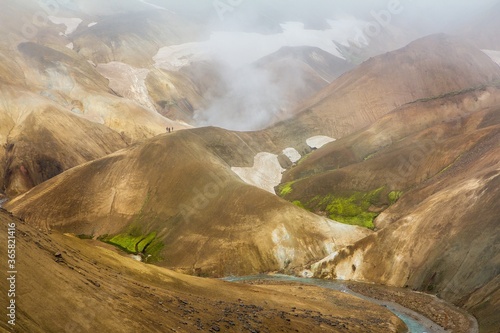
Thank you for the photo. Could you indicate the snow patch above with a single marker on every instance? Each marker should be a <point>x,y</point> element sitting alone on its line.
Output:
<point>90,25</point>
<point>243,48</point>
<point>266,172</point>
<point>318,141</point>
<point>70,23</point>
<point>175,57</point>
<point>292,154</point>
<point>493,54</point>
<point>70,46</point>
<point>128,81</point>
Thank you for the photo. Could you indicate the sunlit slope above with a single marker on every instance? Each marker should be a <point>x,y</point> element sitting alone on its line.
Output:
<point>56,110</point>
<point>405,148</point>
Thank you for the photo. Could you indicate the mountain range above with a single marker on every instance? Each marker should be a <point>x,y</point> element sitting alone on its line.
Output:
<point>140,161</point>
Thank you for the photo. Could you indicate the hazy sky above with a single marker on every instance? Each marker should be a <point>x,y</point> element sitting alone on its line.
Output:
<point>425,14</point>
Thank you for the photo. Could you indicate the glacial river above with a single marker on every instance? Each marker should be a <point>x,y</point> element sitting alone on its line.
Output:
<point>415,322</point>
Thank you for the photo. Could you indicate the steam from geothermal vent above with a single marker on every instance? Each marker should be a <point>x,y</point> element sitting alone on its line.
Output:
<point>254,97</point>
<point>252,101</point>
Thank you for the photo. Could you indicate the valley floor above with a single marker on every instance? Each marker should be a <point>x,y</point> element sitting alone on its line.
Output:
<point>66,284</point>
<point>451,318</point>
<point>426,313</point>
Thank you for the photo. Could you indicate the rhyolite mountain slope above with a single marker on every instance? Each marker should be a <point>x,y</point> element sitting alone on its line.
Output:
<point>416,160</point>
<point>65,284</point>
<point>57,110</point>
<point>428,174</point>
<point>40,140</point>
<point>428,67</point>
<point>177,193</point>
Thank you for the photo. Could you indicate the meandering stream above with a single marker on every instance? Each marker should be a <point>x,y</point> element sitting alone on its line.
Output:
<point>416,322</point>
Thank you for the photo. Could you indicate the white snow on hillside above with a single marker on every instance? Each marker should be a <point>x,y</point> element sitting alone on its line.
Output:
<point>265,173</point>
<point>242,48</point>
<point>494,55</point>
<point>70,23</point>
<point>292,154</point>
<point>319,141</point>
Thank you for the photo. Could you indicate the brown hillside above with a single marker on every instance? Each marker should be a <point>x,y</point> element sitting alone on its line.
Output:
<point>80,286</point>
<point>180,187</point>
<point>428,67</point>
<point>47,142</point>
<point>441,235</point>
<point>57,111</point>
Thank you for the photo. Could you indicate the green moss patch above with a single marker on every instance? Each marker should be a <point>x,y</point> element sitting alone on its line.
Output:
<point>285,189</point>
<point>394,196</point>
<point>146,245</point>
<point>299,204</point>
<point>353,209</point>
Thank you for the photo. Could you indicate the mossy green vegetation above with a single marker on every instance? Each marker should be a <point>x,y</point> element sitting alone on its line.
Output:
<point>394,196</point>
<point>352,209</point>
<point>299,204</point>
<point>148,246</point>
<point>132,244</point>
<point>285,189</point>
<point>363,219</point>
<point>135,240</point>
<point>495,83</point>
